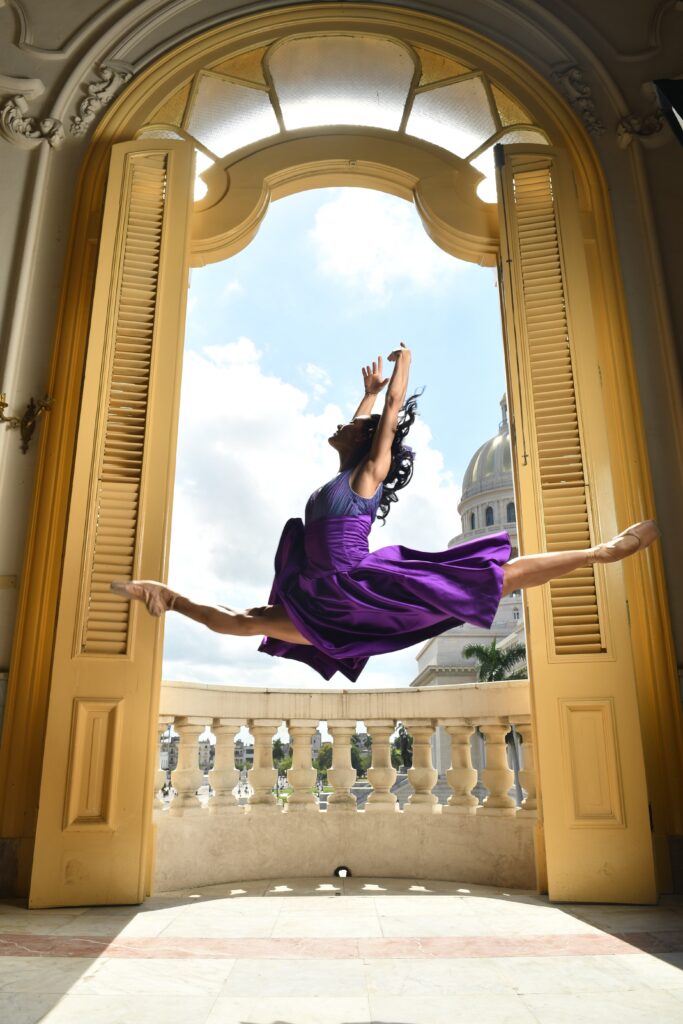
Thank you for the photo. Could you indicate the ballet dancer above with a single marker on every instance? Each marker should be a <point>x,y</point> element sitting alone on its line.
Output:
<point>334,603</point>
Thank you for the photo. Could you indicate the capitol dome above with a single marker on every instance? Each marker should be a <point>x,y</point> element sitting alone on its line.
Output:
<point>486,506</point>
<point>487,502</point>
<point>491,465</point>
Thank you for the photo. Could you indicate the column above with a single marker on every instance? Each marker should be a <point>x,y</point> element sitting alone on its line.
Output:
<point>527,776</point>
<point>381,775</point>
<point>342,774</point>
<point>160,776</point>
<point>462,776</point>
<point>497,776</point>
<point>422,775</point>
<point>262,776</point>
<point>223,776</point>
<point>188,776</point>
<point>301,776</point>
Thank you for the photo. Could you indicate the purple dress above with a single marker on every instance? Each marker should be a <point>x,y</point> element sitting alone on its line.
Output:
<point>351,603</point>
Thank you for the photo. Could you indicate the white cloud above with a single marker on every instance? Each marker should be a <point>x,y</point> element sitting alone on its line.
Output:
<point>229,290</point>
<point>250,451</point>
<point>318,379</point>
<point>371,244</point>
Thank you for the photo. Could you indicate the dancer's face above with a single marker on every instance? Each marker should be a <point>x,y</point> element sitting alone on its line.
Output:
<point>353,436</point>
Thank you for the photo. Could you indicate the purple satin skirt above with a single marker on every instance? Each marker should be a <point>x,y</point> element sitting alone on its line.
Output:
<point>350,603</point>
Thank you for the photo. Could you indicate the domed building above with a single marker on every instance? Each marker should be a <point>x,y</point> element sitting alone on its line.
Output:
<point>487,505</point>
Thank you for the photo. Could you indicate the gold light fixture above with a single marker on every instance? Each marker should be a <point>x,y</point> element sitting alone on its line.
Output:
<point>26,423</point>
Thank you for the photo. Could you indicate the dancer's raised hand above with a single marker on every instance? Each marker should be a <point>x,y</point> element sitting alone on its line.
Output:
<point>373,379</point>
<point>402,352</point>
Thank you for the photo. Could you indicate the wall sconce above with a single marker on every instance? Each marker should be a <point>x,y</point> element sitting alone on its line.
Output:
<point>27,423</point>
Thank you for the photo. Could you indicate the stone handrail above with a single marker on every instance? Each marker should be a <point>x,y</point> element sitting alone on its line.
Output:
<point>509,698</point>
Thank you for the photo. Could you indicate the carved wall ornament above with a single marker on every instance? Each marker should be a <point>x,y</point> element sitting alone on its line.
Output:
<point>651,129</point>
<point>26,131</point>
<point>28,87</point>
<point>572,84</point>
<point>100,93</point>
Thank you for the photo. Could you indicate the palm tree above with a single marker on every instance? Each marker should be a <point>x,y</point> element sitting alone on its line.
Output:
<point>495,664</point>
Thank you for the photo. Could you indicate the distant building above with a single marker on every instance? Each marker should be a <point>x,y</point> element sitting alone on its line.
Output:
<point>244,754</point>
<point>487,505</point>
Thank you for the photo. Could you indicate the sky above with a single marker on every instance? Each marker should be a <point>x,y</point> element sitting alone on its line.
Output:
<point>275,340</point>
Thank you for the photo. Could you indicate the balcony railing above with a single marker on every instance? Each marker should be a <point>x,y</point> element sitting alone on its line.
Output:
<point>209,837</point>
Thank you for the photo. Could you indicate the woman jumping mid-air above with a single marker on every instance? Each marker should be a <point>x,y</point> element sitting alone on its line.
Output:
<point>333,603</point>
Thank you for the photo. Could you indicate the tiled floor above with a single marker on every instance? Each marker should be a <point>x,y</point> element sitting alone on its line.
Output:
<point>330,951</point>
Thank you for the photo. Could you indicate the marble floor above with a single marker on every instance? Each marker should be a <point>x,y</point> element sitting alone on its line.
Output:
<point>343,951</point>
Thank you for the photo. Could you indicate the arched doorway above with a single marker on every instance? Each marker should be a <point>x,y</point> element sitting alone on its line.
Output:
<point>549,231</point>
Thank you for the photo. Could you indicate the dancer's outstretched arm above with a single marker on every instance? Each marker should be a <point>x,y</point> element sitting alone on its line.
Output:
<point>370,474</point>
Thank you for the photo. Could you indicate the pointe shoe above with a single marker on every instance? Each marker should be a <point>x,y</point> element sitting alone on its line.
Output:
<point>634,538</point>
<point>157,597</point>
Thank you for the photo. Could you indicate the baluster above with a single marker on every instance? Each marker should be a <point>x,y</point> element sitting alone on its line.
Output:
<point>498,777</point>
<point>462,776</point>
<point>223,777</point>
<point>160,776</point>
<point>188,776</point>
<point>342,775</point>
<point>381,775</point>
<point>262,776</point>
<point>527,776</point>
<point>422,775</point>
<point>513,744</point>
<point>301,776</point>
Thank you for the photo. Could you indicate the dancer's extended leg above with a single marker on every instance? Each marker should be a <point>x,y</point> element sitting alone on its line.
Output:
<point>534,570</point>
<point>267,620</point>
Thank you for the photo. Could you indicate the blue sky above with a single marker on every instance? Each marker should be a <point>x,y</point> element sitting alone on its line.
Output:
<point>275,340</point>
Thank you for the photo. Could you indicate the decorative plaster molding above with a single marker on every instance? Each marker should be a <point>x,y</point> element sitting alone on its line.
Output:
<point>24,33</point>
<point>28,131</point>
<point>651,129</point>
<point>571,83</point>
<point>112,77</point>
<point>28,87</point>
<point>654,35</point>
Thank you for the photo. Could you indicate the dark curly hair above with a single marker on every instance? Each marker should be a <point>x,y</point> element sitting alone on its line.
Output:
<point>402,456</point>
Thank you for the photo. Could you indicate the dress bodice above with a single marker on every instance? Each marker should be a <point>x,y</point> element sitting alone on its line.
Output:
<point>336,498</point>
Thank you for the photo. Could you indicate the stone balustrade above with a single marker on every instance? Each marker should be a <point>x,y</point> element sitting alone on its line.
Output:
<point>204,839</point>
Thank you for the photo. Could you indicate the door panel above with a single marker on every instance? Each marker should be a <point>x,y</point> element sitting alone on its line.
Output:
<point>95,800</point>
<point>590,761</point>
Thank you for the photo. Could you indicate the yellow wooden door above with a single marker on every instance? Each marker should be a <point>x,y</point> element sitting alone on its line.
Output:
<point>94,817</point>
<point>590,761</point>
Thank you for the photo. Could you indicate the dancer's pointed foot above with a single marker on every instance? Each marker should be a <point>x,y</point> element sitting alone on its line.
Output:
<point>634,538</point>
<point>157,597</point>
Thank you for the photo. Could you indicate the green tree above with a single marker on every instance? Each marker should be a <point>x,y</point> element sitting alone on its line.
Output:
<point>278,751</point>
<point>404,741</point>
<point>324,759</point>
<point>360,760</point>
<point>396,760</point>
<point>495,664</point>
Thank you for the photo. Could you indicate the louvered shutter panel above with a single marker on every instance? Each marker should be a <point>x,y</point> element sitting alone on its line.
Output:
<point>562,477</point>
<point>92,840</point>
<point>595,829</point>
<point>118,473</point>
